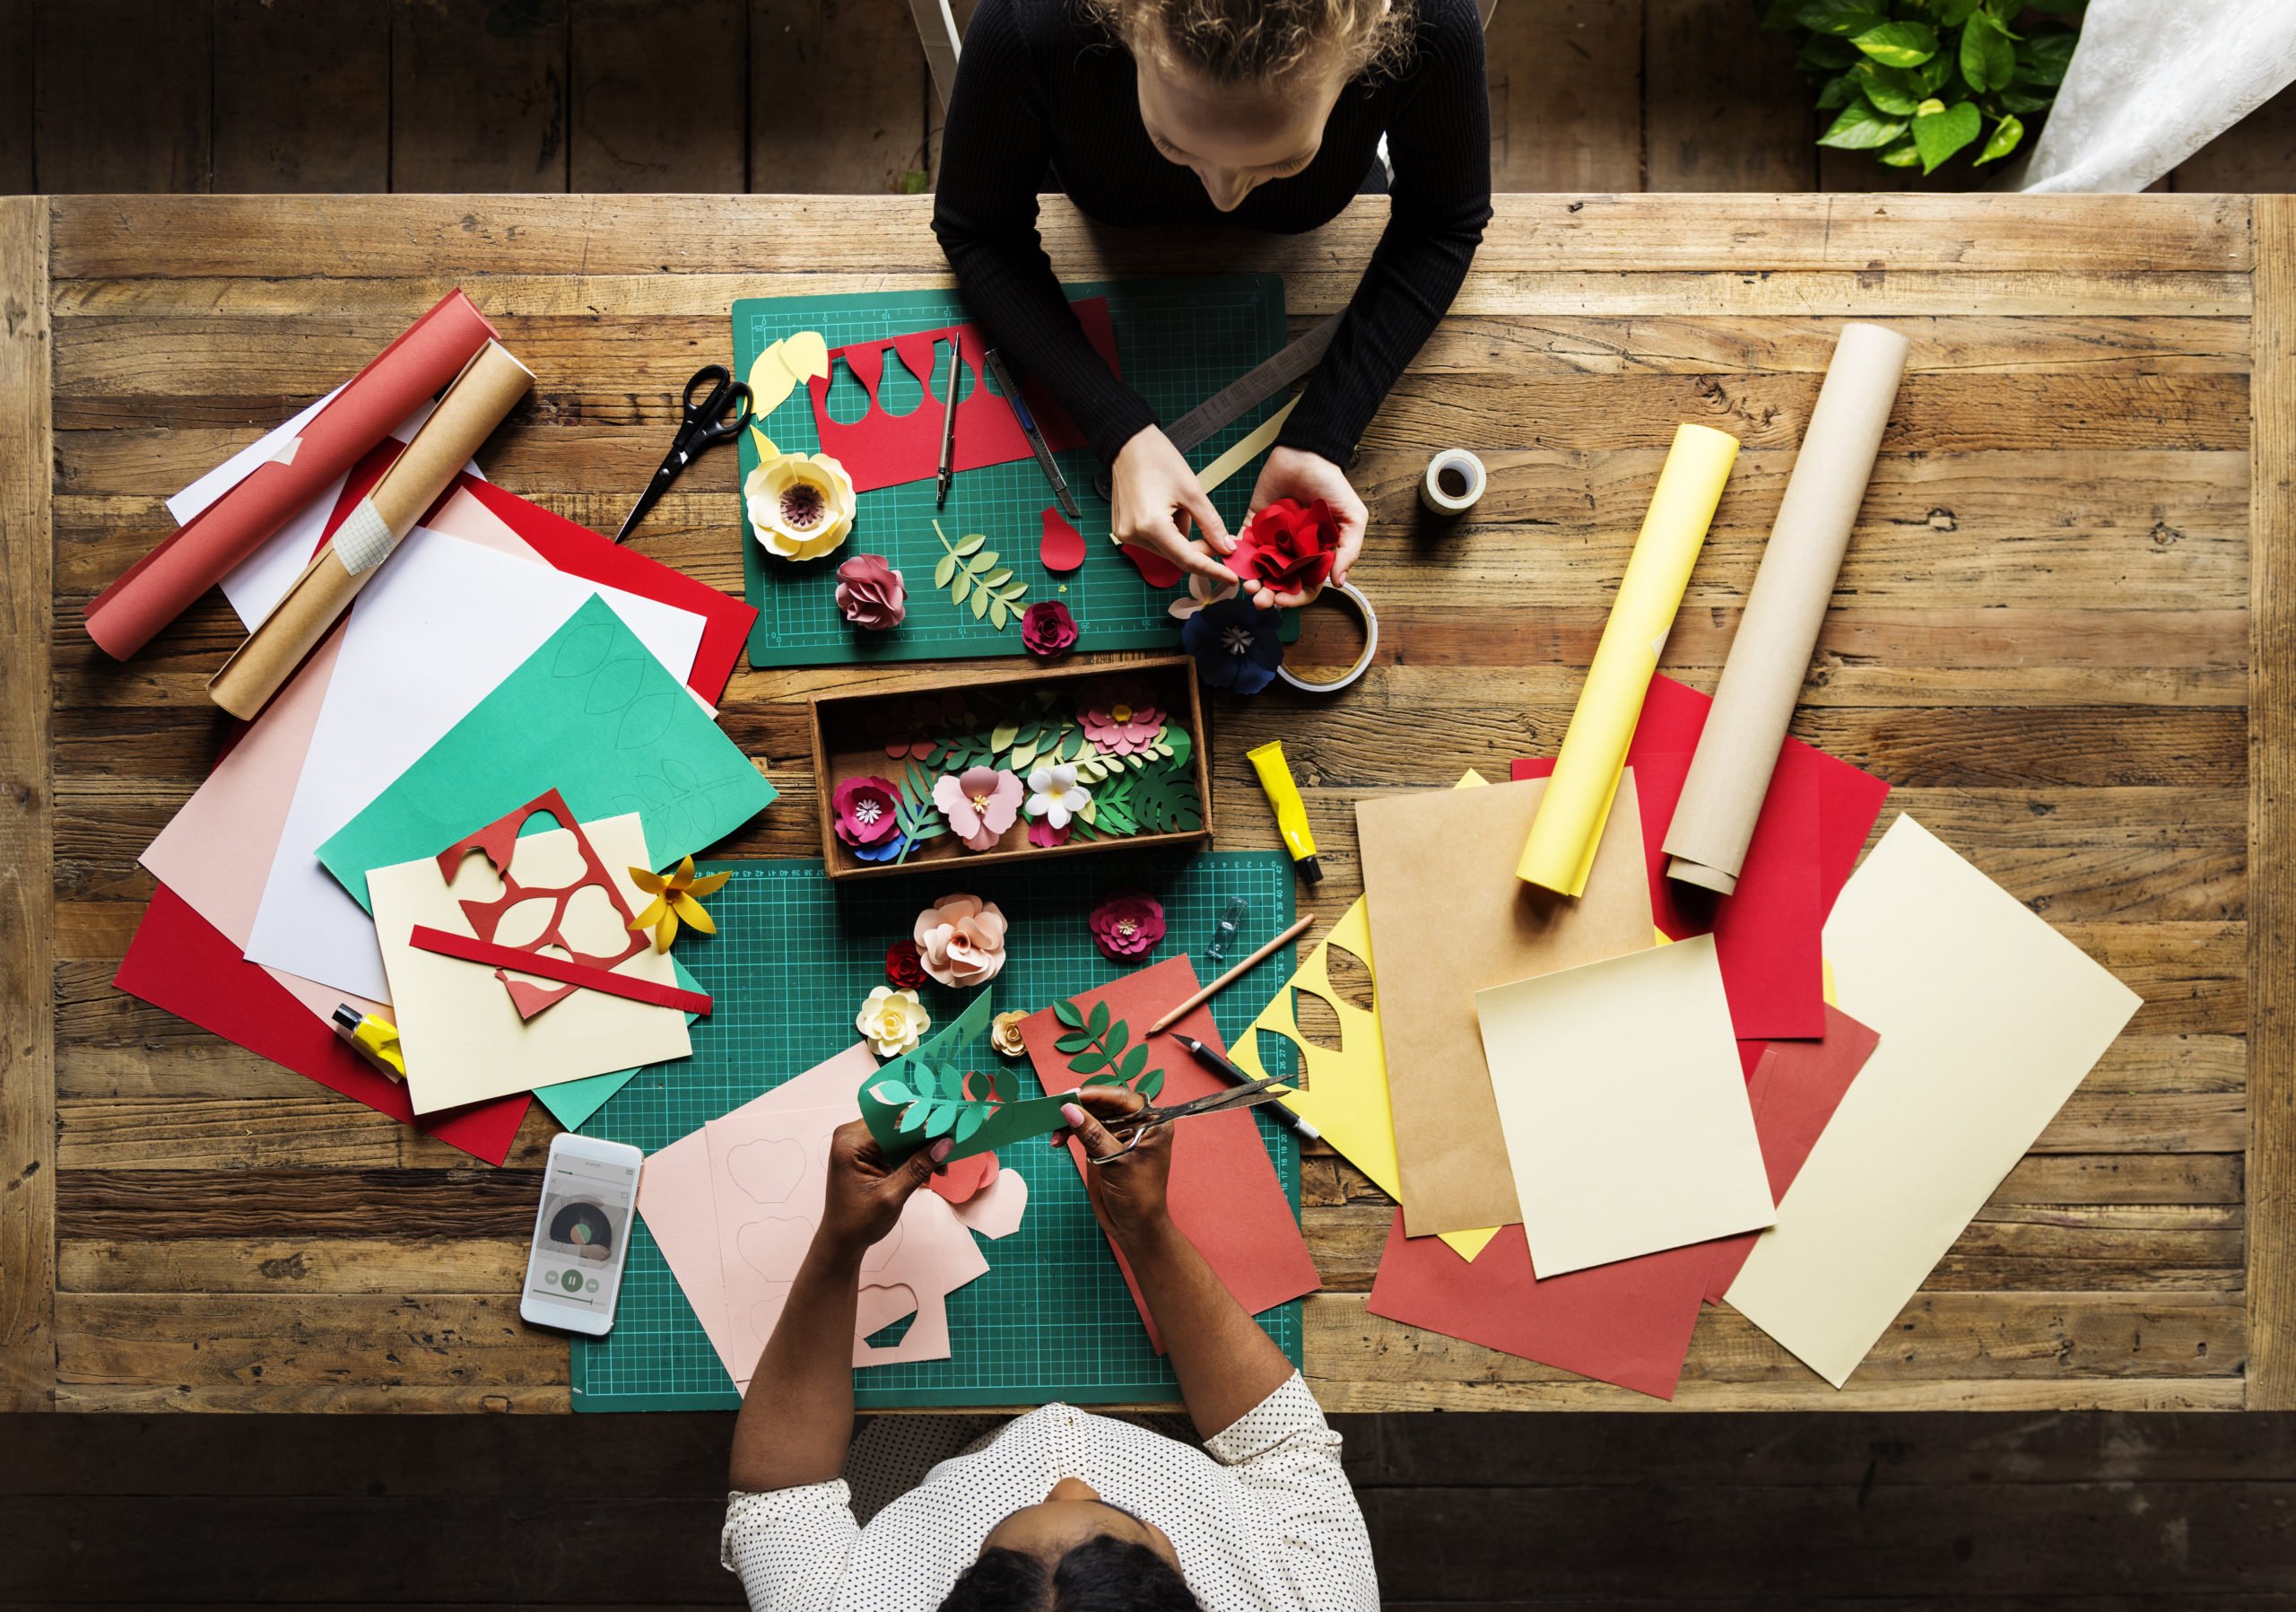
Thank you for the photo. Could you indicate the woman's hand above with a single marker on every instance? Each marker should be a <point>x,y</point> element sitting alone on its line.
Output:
<point>1295,472</point>
<point>1127,1193</point>
<point>1151,488</point>
<point>866,1190</point>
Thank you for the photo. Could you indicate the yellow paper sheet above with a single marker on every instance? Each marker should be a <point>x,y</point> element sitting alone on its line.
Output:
<point>1561,849</point>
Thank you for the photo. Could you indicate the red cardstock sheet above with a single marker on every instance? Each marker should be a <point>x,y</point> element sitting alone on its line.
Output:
<point>1224,1193</point>
<point>180,962</point>
<point>882,449</point>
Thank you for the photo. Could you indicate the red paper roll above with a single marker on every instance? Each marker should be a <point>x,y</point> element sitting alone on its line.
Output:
<point>166,582</point>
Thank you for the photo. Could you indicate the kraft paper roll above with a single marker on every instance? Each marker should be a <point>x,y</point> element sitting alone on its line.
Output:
<point>487,389</point>
<point>1569,826</point>
<point>1761,680</point>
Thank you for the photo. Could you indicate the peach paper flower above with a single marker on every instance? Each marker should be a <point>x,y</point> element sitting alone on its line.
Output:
<point>960,940</point>
<point>980,805</point>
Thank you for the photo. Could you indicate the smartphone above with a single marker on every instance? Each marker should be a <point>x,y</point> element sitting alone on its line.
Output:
<point>581,1234</point>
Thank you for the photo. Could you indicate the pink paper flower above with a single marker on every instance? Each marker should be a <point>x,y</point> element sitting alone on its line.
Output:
<point>1044,836</point>
<point>1046,629</point>
<point>863,810</point>
<point>869,593</point>
<point>961,940</point>
<point>1127,925</point>
<point>1120,718</point>
<point>980,805</point>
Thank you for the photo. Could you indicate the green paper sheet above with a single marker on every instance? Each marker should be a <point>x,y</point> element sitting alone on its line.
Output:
<point>962,1044</point>
<point>571,1102</point>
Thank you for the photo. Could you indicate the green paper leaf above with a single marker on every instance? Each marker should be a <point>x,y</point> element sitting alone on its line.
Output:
<point>1085,1062</point>
<point>980,603</point>
<point>964,586</point>
<point>970,545</point>
<point>919,1112</point>
<point>1004,734</point>
<point>1898,44</point>
<point>997,578</point>
<point>1861,128</point>
<point>1119,1034</point>
<point>1003,1085</point>
<point>1150,1084</point>
<point>1098,1022</point>
<point>969,1121</point>
<point>1104,1079</point>
<point>983,561</point>
<point>1068,1013</point>
<point>2007,134</point>
<point>891,1092</point>
<point>944,568</point>
<point>1131,1064</point>
<point>1939,134</point>
<point>998,614</point>
<point>928,1081</point>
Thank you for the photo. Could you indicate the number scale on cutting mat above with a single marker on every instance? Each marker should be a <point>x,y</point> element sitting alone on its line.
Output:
<point>788,967</point>
<point>1178,342</point>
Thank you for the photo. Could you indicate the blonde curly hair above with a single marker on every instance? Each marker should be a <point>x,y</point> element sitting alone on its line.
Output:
<point>1258,42</point>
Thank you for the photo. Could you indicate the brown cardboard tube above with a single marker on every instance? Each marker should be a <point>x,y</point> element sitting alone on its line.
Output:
<point>1761,680</point>
<point>487,389</point>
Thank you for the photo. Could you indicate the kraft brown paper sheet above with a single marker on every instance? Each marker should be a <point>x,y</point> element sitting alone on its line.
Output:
<point>487,389</point>
<point>1448,917</point>
<point>1761,680</point>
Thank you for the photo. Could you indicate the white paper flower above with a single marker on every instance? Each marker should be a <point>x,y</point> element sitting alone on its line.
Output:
<point>893,1020</point>
<point>1056,795</point>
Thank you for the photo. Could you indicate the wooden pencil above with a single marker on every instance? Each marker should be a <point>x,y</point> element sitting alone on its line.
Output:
<point>1213,990</point>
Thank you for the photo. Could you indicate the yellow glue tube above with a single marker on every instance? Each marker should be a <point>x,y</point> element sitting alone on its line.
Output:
<point>1568,825</point>
<point>373,1039</point>
<point>1290,811</point>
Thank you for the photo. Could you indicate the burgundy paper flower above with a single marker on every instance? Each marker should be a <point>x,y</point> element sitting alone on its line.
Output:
<point>1288,546</point>
<point>1127,925</point>
<point>1046,629</point>
<point>904,967</point>
<point>863,810</point>
<point>1044,836</point>
<point>869,593</point>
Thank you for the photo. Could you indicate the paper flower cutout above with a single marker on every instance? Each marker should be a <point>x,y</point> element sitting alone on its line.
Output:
<point>902,968</point>
<point>869,593</point>
<point>1127,925</point>
<point>1044,836</point>
<point>863,810</point>
<point>1054,795</point>
<point>980,804</point>
<point>889,849</point>
<point>801,507</point>
<point>1121,717</point>
<point>1288,546</point>
<point>675,897</point>
<point>1004,1033</point>
<point>893,1020</point>
<point>960,940</point>
<point>1236,645</point>
<point>1046,629</point>
<point>1202,590</point>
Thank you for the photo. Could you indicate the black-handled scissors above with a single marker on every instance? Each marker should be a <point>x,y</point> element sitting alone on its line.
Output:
<point>706,424</point>
<point>1133,1129</point>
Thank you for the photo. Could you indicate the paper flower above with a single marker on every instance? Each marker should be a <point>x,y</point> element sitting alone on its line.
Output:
<point>1127,925</point>
<point>1044,836</point>
<point>888,850</point>
<point>800,508</point>
<point>863,810</point>
<point>1046,629</point>
<point>902,968</point>
<point>1202,590</point>
<point>1120,718</point>
<point>1004,1033</point>
<point>893,1020</point>
<point>1236,645</point>
<point>960,940</point>
<point>907,726</point>
<point>980,804</point>
<point>1054,795</point>
<point>675,897</point>
<point>1288,546</point>
<point>869,593</point>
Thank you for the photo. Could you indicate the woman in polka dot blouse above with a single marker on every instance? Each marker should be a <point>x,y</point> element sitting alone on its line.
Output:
<point>1059,1511</point>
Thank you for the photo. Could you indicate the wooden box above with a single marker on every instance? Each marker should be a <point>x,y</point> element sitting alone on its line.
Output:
<point>849,735</point>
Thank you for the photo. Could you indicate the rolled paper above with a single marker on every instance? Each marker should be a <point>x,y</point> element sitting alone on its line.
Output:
<point>1761,679</point>
<point>1569,826</point>
<point>487,388</point>
<point>166,582</point>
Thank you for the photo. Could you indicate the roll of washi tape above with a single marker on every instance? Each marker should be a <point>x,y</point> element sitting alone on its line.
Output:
<point>1353,596</point>
<point>1453,481</point>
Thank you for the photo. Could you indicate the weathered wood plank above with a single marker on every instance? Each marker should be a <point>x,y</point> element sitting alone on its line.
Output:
<point>859,138</point>
<point>17,166</point>
<point>478,96</point>
<point>1747,128</point>
<point>160,92</point>
<point>1565,85</point>
<point>659,93</point>
<point>302,95</point>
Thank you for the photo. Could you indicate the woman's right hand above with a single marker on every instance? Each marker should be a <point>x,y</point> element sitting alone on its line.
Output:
<point>1150,488</point>
<point>1128,1192</point>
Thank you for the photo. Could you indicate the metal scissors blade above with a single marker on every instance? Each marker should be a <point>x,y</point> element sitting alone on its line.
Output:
<point>705,423</point>
<point>1134,1128</point>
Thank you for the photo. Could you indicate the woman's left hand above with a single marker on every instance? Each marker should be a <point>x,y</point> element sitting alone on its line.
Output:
<point>866,1190</point>
<point>1295,472</point>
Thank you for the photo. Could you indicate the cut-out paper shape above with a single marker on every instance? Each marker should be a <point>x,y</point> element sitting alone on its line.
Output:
<point>1061,549</point>
<point>1155,568</point>
<point>882,450</point>
<point>767,1169</point>
<point>974,575</point>
<point>960,1182</point>
<point>444,943</point>
<point>995,1210</point>
<point>776,373</point>
<point>676,898</point>
<point>953,1086</point>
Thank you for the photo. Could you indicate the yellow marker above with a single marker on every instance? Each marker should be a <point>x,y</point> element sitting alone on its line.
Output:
<point>1290,811</point>
<point>373,1039</point>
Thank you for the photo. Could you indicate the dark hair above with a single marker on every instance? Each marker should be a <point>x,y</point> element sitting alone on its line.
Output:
<point>1103,1574</point>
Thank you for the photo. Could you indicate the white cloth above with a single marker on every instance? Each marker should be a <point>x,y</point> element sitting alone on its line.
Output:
<point>1265,1522</point>
<point>2152,82</point>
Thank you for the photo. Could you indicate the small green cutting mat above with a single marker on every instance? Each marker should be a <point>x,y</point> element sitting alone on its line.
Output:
<point>1178,342</point>
<point>793,957</point>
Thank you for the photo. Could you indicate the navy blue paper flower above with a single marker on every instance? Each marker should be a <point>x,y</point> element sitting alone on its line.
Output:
<point>1236,645</point>
<point>884,851</point>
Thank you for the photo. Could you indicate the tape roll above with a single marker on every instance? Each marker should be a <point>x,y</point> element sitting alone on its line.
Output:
<point>1455,481</point>
<point>1353,596</point>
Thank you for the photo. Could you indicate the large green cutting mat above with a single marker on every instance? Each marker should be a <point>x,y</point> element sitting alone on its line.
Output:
<point>1178,342</point>
<point>793,957</point>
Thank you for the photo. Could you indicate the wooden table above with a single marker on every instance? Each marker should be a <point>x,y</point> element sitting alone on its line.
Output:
<point>2055,635</point>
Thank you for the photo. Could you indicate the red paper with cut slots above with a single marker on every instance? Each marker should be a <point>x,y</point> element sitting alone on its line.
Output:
<point>883,450</point>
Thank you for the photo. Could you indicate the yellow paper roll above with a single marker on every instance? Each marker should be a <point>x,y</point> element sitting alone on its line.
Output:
<point>1569,821</point>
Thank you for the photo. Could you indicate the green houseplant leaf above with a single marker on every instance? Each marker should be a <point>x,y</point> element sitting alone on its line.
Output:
<point>1899,44</point>
<point>2007,134</point>
<point>1938,135</point>
<point>1860,127</point>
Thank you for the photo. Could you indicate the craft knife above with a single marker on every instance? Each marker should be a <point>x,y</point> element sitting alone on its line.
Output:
<point>1045,461</point>
<point>948,433</point>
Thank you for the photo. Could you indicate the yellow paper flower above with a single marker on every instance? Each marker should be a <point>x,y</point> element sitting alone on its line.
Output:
<point>801,507</point>
<point>892,1020</point>
<point>673,896</point>
<point>1004,1033</point>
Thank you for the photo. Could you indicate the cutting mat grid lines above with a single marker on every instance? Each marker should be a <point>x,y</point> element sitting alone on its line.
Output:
<point>789,966</point>
<point>1179,340</point>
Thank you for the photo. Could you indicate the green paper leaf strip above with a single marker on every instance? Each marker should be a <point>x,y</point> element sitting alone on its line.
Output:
<point>922,1095</point>
<point>1103,1052</point>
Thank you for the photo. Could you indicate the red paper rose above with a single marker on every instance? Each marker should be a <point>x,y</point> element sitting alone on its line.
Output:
<point>1046,629</point>
<point>1287,546</point>
<point>904,968</point>
<point>869,593</point>
<point>1127,925</point>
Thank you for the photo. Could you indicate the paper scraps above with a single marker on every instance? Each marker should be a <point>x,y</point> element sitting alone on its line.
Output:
<point>1061,549</point>
<point>776,373</point>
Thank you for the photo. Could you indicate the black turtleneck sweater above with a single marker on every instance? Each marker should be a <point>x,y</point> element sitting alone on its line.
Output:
<point>1040,90</point>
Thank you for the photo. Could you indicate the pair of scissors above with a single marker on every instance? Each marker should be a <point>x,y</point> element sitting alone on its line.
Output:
<point>1133,1129</point>
<point>706,424</point>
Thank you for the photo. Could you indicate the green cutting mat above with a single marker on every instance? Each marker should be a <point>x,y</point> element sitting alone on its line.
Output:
<point>1178,342</point>
<point>793,957</point>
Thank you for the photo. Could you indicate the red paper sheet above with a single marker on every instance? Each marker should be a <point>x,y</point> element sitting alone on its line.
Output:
<point>883,450</point>
<point>1224,1193</point>
<point>422,937</point>
<point>182,963</point>
<point>166,582</point>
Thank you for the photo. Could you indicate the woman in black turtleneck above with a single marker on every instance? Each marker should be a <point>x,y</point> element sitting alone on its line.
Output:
<point>1264,113</point>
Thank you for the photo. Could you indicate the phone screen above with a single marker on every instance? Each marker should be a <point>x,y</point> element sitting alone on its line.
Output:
<point>585,1208</point>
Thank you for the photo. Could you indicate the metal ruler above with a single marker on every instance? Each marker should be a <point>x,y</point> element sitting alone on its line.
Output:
<point>1256,386</point>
